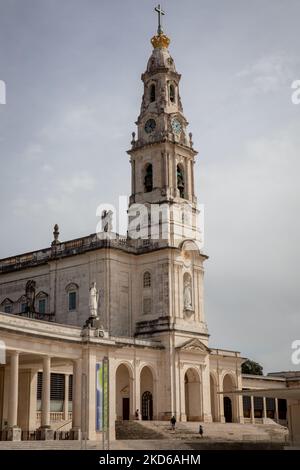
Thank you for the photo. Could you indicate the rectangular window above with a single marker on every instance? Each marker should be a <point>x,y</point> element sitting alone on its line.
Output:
<point>42,306</point>
<point>247,406</point>
<point>8,309</point>
<point>70,387</point>
<point>23,308</point>
<point>282,408</point>
<point>258,407</point>
<point>72,301</point>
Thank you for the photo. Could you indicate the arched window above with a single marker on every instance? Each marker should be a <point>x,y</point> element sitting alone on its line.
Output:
<point>41,300</point>
<point>147,280</point>
<point>152,93</point>
<point>180,181</point>
<point>172,93</point>
<point>72,292</point>
<point>148,181</point>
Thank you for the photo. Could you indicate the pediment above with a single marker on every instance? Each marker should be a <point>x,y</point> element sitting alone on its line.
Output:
<point>7,301</point>
<point>194,345</point>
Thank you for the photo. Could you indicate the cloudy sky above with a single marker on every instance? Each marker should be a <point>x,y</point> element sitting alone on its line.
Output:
<point>72,70</point>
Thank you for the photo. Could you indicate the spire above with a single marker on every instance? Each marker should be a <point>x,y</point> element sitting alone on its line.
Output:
<point>160,41</point>
<point>160,13</point>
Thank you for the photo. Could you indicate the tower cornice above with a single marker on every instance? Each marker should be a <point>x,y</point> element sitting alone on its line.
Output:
<point>150,74</point>
<point>136,148</point>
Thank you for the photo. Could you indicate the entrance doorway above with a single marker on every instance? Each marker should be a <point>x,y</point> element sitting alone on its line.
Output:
<point>230,400</point>
<point>192,395</point>
<point>147,395</point>
<point>125,409</point>
<point>227,410</point>
<point>123,392</point>
<point>147,406</point>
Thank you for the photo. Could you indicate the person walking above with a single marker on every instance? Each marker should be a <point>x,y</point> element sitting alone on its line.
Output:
<point>173,422</point>
<point>201,431</point>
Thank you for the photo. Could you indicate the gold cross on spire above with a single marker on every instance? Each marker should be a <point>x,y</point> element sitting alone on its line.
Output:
<point>160,13</point>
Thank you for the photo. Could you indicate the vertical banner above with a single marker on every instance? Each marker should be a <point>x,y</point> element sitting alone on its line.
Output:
<point>102,395</point>
<point>99,396</point>
<point>105,394</point>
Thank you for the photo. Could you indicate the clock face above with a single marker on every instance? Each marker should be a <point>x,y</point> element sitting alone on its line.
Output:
<point>176,126</point>
<point>150,126</point>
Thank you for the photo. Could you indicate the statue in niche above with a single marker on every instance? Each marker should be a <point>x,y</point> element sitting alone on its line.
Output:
<point>93,300</point>
<point>187,295</point>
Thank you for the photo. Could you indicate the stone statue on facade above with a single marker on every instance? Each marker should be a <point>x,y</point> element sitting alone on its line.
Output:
<point>187,296</point>
<point>93,326</point>
<point>106,218</point>
<point>93,301</point>
<point>30,296</point>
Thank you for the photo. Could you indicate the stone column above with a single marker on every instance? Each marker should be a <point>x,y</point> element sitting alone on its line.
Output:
<point>112,399</point>
<point>136,384</point>
<point>46,433</point>
<point>14,433</point>
<point>182,393</point>
<point>66,401</point>
<point>264,410</point>
<point>132,176</point>
<point>189,179</point>
<point>192,177</point>
<point>166,181</point>
<point>239,398</point>
<point>221,400</point>
<point>205,392</point>
<point>252,409</point>
<point>132,397</point>
<point>76,400</point>
<point>276,410</point>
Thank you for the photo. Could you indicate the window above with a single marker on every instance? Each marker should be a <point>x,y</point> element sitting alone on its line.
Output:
<point>148,181</point>
<point>180,181</point>
<point>23,308</point>
<point>282,408</point>
<point>258,407</point>
<point>72,296</point>
<point>42,306</point>
<point>247,406</point>
<point>270,405</point>
<point>70,387</point>
<point>172,93</point>
<point>57,387</point>
<point>8,308</point>
<point>152,93</point>
<point>41,302</point>
<point>57,391</point>
<point>147,280</point>
<point>72,301</point>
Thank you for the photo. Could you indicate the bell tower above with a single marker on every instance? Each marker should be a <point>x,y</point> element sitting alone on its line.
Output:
<point>162,155</point>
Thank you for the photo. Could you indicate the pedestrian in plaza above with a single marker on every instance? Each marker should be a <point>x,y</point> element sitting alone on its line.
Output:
<point>173,422</point>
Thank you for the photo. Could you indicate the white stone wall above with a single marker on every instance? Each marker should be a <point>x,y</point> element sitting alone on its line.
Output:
<point>119,279</point>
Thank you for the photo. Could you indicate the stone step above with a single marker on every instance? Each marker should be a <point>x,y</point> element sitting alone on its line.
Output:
<point>212,431</point>
<point>135,430</point>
